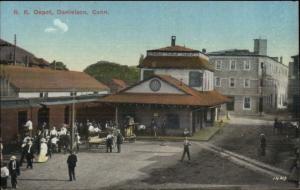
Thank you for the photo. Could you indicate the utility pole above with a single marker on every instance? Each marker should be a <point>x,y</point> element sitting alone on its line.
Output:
<point>15,46</point>
<point>73,120</point>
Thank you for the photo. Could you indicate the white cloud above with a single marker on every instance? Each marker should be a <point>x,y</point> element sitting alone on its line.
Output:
<point>58,25</point>
<point>50,30</point>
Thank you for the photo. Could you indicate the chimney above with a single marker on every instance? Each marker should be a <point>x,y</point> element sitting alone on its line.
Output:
<point>260,46</point>
<point>280,59</point>
<point>15,46</point>
<point>173,40</point>
<point>203,50</point>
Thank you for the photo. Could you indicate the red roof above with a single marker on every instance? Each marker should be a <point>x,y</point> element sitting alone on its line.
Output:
<point>191,97</point>
<point>29,79</point>
<point>178,62</point>
<point>119,82</point>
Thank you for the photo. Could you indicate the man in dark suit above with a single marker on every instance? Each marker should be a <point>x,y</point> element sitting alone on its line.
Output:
<point>72,159</point>
<point>29,154</point>
<point>119,141</point>
<point>186,149</point>
<point>14,170</point>
<point>109,141</point>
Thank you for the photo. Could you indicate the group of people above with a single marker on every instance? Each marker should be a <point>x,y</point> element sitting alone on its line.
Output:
<point>88,128</point>
<point>13,170</point>
<point>110,141</point>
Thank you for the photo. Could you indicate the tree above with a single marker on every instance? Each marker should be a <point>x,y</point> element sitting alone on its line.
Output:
<point>105,71</point>
<point>58,65</point>
<point>141,59</point>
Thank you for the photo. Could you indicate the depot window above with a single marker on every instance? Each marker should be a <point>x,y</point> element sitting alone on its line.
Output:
<point>195,79</point>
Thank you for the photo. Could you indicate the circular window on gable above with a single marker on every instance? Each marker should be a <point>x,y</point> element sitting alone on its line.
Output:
<point>155,85</point>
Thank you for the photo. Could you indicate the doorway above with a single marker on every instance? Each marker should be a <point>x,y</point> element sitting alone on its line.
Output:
<point>22,119</point>
<point>43,116</point>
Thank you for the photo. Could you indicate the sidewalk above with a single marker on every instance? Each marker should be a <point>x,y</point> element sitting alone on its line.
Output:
<point>204,134</point>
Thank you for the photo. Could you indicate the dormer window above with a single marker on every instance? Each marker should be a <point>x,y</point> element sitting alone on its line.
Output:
<point>195,79</point>
<point>148,74</point>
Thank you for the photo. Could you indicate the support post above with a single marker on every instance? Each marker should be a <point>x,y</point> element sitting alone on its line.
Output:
<point>116,116</point>
<point>73,121</point>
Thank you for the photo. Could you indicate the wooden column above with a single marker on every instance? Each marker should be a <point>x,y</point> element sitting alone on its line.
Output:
<point>116,115</point>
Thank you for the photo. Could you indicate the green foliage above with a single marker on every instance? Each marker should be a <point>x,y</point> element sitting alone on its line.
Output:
<point>105,71</point>
<point>58,65</point>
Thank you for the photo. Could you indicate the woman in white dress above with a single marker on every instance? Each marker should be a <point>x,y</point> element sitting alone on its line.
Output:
<point>43,151</point>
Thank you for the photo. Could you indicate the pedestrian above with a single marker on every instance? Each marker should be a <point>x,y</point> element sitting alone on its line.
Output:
<point>109,139</point>
<point>221,125</point>
<point>1,149</point>
<point>42,157</point>
<point>186,149</point>
<point>263,144</point>
<point>163,127</point>
<point>4,176</point>
<point>154,127</point>
<point>297,130</point>
<point>186,132</point>
<point>53,132</point>
<point>77,140</point>
<point>24,148</point>
<point>72,160</point>
<point>275,126</point>
<point>29,154</point>
<point>29,127</point>
<point>14,171</point>
<point>295,172</point>
<point>119,141</point>
<point>50,147</point>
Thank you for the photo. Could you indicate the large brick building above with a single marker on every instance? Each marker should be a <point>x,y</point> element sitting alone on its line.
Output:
<point>44,95</point>
<point>255,81</point>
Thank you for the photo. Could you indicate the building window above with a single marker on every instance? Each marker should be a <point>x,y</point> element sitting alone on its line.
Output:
<point>232,65</point>
<point>218,65</point>
<point>247,103</point>
<point>247,83</point>
<point>231,83</point>
<point>195,79</point>
<point>148,74</point>
<point>246,65</point>
<point>73,93</point>
<point>217,82</point>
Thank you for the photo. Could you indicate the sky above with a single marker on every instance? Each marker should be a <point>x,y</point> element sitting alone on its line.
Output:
<point>122,31</point>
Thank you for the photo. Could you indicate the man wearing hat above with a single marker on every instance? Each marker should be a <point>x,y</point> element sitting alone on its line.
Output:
<point>24,148</point>
<point>14,170</point>
<point>72,159</point>
<point>29,154</point>
<point>119,141</point>
<point>186,149</point>
<point>4,175</point>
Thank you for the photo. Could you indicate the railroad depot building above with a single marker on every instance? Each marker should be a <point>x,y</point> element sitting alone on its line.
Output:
<point>45,95</point>
<point>176,90</point>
